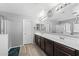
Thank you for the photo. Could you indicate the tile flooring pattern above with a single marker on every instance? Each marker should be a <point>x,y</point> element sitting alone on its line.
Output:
<point>31,50</point>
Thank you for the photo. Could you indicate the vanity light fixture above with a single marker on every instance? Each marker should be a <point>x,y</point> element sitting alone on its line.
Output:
<point>62,6</point>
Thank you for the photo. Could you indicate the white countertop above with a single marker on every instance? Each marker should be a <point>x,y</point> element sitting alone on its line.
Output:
<point>68,41</point>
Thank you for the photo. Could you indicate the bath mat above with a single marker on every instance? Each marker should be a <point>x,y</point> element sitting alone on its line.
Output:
<point>14,51</point>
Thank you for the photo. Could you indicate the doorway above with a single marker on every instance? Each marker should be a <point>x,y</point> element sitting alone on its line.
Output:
<point>27,32</point>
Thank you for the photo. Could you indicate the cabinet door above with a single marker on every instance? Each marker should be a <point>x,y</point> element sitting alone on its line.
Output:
<point>62,50</point>
<point>58,52</point>
<point>36,39</point>
<point>39,40</point>
<point>77,52</point>
<point>42,43</point>
<point>49,47</point>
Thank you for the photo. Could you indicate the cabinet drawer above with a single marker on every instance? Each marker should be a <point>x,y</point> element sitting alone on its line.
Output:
<point>64,48</point>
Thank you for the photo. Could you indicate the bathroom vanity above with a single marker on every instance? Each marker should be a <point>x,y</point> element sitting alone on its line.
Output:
<point>57,35</point>
<point>57,45</point>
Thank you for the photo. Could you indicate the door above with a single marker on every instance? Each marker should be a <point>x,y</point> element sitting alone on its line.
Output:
<point>27,32</point>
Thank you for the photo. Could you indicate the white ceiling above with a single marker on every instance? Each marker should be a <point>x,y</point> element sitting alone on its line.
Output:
<point>25,9</point>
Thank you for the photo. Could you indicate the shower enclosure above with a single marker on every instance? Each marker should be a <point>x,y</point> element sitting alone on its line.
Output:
<point>11,33</point>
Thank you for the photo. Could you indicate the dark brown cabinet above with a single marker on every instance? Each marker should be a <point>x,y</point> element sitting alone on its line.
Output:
<point>49,47</point>
<point>37,40</point>
<point>42,43</point>
<point>58,52</point>
<point>52,48</point>
<point>62,50</point>
<point>77,52</point>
